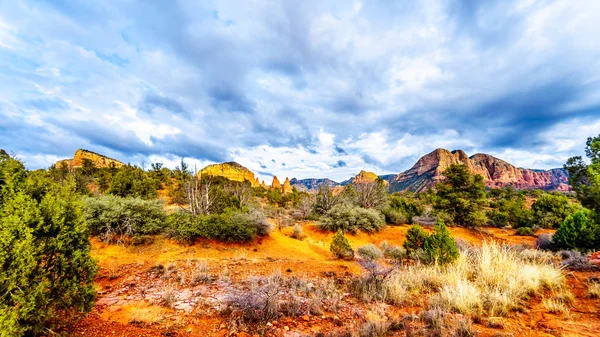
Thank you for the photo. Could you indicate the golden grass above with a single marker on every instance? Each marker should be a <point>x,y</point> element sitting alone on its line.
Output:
<point>490,279</point>
<point>594,290</point>
<point>144,314</point>
<point>555,306</point>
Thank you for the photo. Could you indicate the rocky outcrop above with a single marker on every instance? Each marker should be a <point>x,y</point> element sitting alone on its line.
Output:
<point>311,184</point>
<point>81,155</point>
<point>287,187</point>
<point>263,185</point>
<point>275,184</point>
<point>496,173</point>
<point>231,170</point>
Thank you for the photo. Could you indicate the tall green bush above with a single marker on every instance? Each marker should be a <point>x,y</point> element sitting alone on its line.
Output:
<point>579,231</point>
<point>47,273</point>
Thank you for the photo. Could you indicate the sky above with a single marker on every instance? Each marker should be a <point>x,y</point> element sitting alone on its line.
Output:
<point>304,89</point>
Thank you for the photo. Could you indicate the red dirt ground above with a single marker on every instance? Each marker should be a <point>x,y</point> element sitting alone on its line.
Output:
<point>124,271</point>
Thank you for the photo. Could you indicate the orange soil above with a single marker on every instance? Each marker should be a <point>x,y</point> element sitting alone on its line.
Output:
<point>123,268</point>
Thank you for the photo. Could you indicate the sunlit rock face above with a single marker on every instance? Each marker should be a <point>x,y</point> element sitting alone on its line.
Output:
<point>287,187</point>
<point>232,171</point>
<point>496,172</point>
<point>99,160</point>
<point>275,184</point>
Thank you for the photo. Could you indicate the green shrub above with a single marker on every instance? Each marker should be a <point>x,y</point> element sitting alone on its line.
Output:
<point>551,209</point>
<point>440,247</point>
<point>415,238</point>
<point>524,231</point>
<point>348,218</point>
<point>47,272</point>
<point>578,232</point>
<point>394,217</point>
<point>369,252</point>
<point>340,247</point>
<point>113,218</point>
<point>131,181</point>
<point>226,227</point>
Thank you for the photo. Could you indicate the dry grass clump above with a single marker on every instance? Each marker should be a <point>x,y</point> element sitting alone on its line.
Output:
<point>555,306</point>
<point>143,314</point>
<point>491,279</point>
<point>593,288</point>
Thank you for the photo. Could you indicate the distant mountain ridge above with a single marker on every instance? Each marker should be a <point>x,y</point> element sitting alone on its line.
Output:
<point>424,174</point>
<point>496,173</point>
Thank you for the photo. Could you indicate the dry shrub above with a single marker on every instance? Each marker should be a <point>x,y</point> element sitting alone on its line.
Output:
<point>143,314</point>
<point>555,306</point>
<point>168,296</point>
<point>491,279</point>
<point>200,274</point>
<point>464,328</point>
<point>593,288</point>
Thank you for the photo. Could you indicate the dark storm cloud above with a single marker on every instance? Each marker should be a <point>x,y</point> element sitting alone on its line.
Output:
<point>340,163</point>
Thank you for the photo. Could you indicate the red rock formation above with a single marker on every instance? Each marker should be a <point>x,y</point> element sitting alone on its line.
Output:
<point>496,172</point>
<point>287,187</point>
<point>275,184</point>
<point>99,160</point>
<point>231,170</point>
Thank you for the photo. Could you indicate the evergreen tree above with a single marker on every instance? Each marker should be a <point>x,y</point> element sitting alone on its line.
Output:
<point>340,247</point>
<point>415,238</point>
<point>461,195</point>
<point>579,232</point>
<point>47,273</point>
<point>584,178</point>
<point>440,246</point>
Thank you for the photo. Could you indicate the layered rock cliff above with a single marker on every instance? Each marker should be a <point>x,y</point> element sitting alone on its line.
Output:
<point>99,160</point>
<point>232,171</point>
<point>496,172</point>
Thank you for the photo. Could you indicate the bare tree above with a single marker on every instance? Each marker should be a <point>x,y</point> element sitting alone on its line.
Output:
<point>325,199</point>
<point>241,190</point>
<point>371,194</point>
<point>198,192</point>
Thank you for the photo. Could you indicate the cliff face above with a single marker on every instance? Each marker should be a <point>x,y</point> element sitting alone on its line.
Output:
<point>232,171</point>
<point>99,160</point>
<point>496,172</point>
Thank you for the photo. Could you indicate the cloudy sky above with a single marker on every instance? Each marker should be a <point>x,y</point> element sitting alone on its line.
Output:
<point>299,88</point>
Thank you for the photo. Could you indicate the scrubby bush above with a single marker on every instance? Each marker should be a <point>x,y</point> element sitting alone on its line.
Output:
<point>551,209</point>
<point>131,181</point>
<point>440,246</point>
<point>349,218</point>
<point>369,252</point>
<point>524,231</point>
<point>394,217</point>
<point>298,234</point>
<point>415,238</point>
<point>340,247</point>
<point>226,227</point>
<point>47,273</point>
<point>113,218</point>
<point>579,231</point>
<point>396,254</point>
